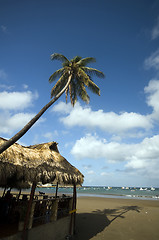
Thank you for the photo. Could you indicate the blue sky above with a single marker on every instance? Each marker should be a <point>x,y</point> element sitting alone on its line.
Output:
<point>113,141</point>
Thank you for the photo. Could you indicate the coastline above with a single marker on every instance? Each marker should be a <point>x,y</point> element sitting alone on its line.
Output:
<point>115,218</point>
<point>115,196</point>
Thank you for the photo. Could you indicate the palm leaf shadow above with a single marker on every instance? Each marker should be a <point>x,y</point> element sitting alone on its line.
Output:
<point>89,225</point>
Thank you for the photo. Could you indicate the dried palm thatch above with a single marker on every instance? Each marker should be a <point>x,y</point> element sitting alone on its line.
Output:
<point>21,166</point>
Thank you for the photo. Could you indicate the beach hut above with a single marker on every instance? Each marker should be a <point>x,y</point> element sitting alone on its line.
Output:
<point>24,167</point>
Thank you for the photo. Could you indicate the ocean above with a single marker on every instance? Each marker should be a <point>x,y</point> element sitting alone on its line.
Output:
<point>107,192</point>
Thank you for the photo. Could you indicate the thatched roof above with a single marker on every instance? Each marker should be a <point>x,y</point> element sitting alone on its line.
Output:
<point>20,166</point>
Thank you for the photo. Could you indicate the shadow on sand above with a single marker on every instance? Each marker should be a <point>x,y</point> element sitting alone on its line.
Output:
<point>89,225</point>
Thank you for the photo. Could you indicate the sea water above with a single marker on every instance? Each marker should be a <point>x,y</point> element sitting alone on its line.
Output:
<point>108,192</point>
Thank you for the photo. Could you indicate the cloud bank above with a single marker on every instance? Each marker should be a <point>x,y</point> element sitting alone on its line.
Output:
<point>16,100</point>
<point>13,105</point>
<point>126,123</point>
<point>140,157</point>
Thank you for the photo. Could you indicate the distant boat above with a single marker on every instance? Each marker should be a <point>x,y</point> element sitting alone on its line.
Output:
<point>109,187</point>
<point>152,189</point>
<point>123,188</point>
<point>141,189</point>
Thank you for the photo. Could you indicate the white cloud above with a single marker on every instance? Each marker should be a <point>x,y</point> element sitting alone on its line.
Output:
<point>155,30</point>
<point>9,123</point>
<point>153,60</point>
<point>145,159</point>
<point>122,124</point>
<point>16,100</point>
<point>94,147</point>
<point>143,156</point>
<point>85,117</point>
<point>153,98</point>
<point>62,108</point>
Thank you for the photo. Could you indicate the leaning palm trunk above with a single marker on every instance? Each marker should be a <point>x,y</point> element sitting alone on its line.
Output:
<point>17,136</point>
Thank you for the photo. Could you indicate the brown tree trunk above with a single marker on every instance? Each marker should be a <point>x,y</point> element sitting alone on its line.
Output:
<point>17,136</point>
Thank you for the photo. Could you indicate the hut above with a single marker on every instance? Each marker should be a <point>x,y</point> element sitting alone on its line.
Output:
<point>24,167</point>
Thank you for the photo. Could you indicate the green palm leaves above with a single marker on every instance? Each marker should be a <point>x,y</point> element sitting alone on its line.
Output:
<point>76,69</point>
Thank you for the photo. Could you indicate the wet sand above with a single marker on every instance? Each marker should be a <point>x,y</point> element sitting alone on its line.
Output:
<point>117,219</point>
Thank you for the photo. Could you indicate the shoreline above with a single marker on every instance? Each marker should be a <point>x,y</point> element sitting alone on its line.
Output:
<point>114,196</point>
<point>94,195</point>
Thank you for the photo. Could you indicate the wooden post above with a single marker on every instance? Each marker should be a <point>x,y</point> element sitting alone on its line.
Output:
<point>56,190</point>
<point>73,212</point>
<point>31,215</point>
<point>54,210</point>
<point>19,194</point>
<point>4,191</point>
<point>28,210</point>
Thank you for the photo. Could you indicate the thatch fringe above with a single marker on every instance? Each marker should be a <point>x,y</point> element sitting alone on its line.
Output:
<point>20,166</point>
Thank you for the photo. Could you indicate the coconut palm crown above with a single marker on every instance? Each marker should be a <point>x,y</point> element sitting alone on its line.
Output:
<point>74,77</point>
<point>79,75</point>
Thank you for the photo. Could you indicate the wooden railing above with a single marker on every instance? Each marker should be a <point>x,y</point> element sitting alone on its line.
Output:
<point>47,210</point>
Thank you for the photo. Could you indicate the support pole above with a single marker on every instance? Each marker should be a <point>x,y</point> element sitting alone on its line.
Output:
<point>4,192</point>
<point>73,212</point>
<point>19,194</point>
<point>56,190</point>
<point>28,210</point>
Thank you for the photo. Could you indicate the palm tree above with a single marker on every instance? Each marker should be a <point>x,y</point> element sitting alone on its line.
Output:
<point>79,75</point>
<point>74,77</point>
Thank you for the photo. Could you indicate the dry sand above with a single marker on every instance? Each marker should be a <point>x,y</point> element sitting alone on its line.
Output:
<point>117,219</point>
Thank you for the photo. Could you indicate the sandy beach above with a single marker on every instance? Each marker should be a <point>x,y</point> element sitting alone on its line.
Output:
<point>117,219</point>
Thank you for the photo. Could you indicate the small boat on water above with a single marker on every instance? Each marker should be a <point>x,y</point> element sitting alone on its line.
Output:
<point>141,189</point>
<point>152,189</point>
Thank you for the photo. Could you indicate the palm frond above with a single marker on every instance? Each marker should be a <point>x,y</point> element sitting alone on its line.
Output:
<point>82,76</point>
<point>70,92</point>
<point>83,94</point>
<point>76,59</point>
<point>60,57</point>
<point>93,71</point>
<point>94,88</point>
<point>81,91</point>
<point>59,85</point>
<point>73,93</point>
<point>56,74</point>
<point>85,61</point>
<point>66,94</point>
